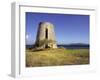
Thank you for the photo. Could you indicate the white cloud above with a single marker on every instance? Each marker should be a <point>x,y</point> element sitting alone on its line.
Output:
<point>27,36</point>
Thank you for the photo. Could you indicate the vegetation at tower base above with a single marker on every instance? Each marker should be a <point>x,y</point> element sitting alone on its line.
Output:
<point>57,57</point>
<point>41,43</point>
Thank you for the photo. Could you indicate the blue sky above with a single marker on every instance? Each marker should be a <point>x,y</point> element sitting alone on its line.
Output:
<point>69,28</point>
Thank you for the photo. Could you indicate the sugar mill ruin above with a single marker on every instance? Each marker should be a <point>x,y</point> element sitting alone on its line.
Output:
<point>45,36</point>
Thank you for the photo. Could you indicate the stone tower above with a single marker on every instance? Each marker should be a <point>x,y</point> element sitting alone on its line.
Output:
<point>45,36</point>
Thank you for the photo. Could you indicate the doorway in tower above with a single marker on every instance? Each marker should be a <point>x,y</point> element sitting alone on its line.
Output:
<point>46,37</point>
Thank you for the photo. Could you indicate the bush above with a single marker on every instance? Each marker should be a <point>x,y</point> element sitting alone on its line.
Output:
<point>44,42</point>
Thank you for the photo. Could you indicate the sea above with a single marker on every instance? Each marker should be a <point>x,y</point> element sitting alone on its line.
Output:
<point>72,46</point>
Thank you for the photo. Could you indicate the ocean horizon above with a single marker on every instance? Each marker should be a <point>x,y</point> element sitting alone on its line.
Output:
<point>67,46</point>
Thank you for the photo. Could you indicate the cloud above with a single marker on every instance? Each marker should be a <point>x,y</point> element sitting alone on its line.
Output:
<point>27,36</point>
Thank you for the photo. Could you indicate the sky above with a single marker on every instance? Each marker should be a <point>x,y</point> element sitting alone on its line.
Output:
<point>69,28</point>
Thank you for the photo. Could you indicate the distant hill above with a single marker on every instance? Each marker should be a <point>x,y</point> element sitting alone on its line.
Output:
<point>74,45</point>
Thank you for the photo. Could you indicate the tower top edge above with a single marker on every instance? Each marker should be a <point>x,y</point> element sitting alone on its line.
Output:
<point>45,22</point>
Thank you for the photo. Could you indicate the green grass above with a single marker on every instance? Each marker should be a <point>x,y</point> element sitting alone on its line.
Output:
<point>53,57</point>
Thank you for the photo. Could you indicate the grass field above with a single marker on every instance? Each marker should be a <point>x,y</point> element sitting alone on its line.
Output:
<point>59,56</point>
